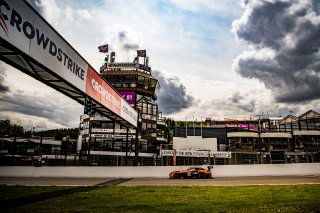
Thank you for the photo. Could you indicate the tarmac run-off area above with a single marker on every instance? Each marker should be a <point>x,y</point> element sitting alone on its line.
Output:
<point>218,181</point>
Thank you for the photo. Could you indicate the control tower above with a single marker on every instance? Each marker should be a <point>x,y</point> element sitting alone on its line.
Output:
<point>136,84</point>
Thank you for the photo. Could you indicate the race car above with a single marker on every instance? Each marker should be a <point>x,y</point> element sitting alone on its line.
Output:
<point>192,172</point>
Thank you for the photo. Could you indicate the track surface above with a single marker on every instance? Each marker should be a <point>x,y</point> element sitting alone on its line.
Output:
<point>221,181</point>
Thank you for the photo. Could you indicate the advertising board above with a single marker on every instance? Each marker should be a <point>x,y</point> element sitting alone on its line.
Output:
<point>192,153</point>
<point>100,91</point>
<point>130,96</point>
<point>126,65</point>
<point>27,31</point>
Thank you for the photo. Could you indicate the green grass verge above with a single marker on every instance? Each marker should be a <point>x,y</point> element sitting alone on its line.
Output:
<point>296,198</point>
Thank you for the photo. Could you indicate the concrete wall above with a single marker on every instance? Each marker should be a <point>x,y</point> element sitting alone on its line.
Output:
<point>159,171</point>
<point>195,143</point>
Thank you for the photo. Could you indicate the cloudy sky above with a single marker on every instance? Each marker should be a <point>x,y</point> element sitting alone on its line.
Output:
<point>213,58</point>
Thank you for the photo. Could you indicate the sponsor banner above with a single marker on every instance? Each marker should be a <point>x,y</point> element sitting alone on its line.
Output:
<point>128,113</point>
<point>167,152</point>
<point>220,154</point>
<point>102,130</point>
<point>185,153</point>
<point>122,65</point>
<point>26,30</point>
<point>130,96</point>
<point>112,130</point>
<point>109,136</point>
<point>246,126</point>
<point>100,91</point>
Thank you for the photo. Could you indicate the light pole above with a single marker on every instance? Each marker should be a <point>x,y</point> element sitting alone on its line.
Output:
<point>259,138</point>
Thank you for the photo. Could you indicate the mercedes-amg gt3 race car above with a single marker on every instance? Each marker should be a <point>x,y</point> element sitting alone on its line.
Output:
<point>192,172</point>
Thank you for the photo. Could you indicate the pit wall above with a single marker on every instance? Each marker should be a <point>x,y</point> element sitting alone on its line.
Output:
<point>160,171</point>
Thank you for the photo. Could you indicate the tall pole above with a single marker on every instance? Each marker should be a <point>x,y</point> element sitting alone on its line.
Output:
<point>201,126</point>
<point>40,147</point>
<point>136,143</point>
<point>14,144</point>
<point>65,150</point>
<point>194,132</point>
<point>89,142</point>
<point>186,127</point>
<point>259,140</point>
<point>127,141</point>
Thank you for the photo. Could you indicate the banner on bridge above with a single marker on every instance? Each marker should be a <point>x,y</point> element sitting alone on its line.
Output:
<point>25,29</point>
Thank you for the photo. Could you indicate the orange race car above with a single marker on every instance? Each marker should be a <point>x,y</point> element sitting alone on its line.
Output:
<point>192,172</point>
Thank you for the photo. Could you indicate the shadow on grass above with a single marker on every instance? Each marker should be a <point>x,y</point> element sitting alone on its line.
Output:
<point>16,202</point>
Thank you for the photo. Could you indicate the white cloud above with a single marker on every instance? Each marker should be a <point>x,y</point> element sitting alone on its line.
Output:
<point>228,9</point>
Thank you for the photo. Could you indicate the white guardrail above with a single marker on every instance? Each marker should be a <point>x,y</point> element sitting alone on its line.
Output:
<point>160,171</point>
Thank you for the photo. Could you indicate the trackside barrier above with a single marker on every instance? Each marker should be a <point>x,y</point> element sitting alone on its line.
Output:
<point>159,171</point>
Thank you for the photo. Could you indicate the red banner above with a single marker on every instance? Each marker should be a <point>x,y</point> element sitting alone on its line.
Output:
<point>99,90</point>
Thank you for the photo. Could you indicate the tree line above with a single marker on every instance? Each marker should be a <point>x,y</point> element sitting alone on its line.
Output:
<point>8,129</point>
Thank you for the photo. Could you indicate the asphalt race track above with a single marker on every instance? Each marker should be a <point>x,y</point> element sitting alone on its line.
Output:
<point>220,181</point>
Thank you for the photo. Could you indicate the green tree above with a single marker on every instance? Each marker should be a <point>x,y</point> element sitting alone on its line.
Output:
<point>5,126</point>
<point>9,130</point>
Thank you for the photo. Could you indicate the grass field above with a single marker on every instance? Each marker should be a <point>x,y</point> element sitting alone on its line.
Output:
<point>295,198</point>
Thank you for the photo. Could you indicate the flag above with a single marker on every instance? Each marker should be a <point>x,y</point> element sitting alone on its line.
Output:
<point>103,48</point>
<point>141,53</point>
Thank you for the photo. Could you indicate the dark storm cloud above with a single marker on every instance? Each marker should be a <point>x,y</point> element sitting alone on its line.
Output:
<point>284,37</point>
<point>126,44</point>
<point>3,86</point>
<point>236,103</point>
<point>173,95</point>
<point>239,102</point>
<point>54,110</point>
<point>236,98</point>
<point>39,107</point>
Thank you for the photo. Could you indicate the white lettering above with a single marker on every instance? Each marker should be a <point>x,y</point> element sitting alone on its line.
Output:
<point>104,93</point>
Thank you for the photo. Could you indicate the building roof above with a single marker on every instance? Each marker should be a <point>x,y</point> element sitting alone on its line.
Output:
<point>288,119</point>
<point>309,114</point>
